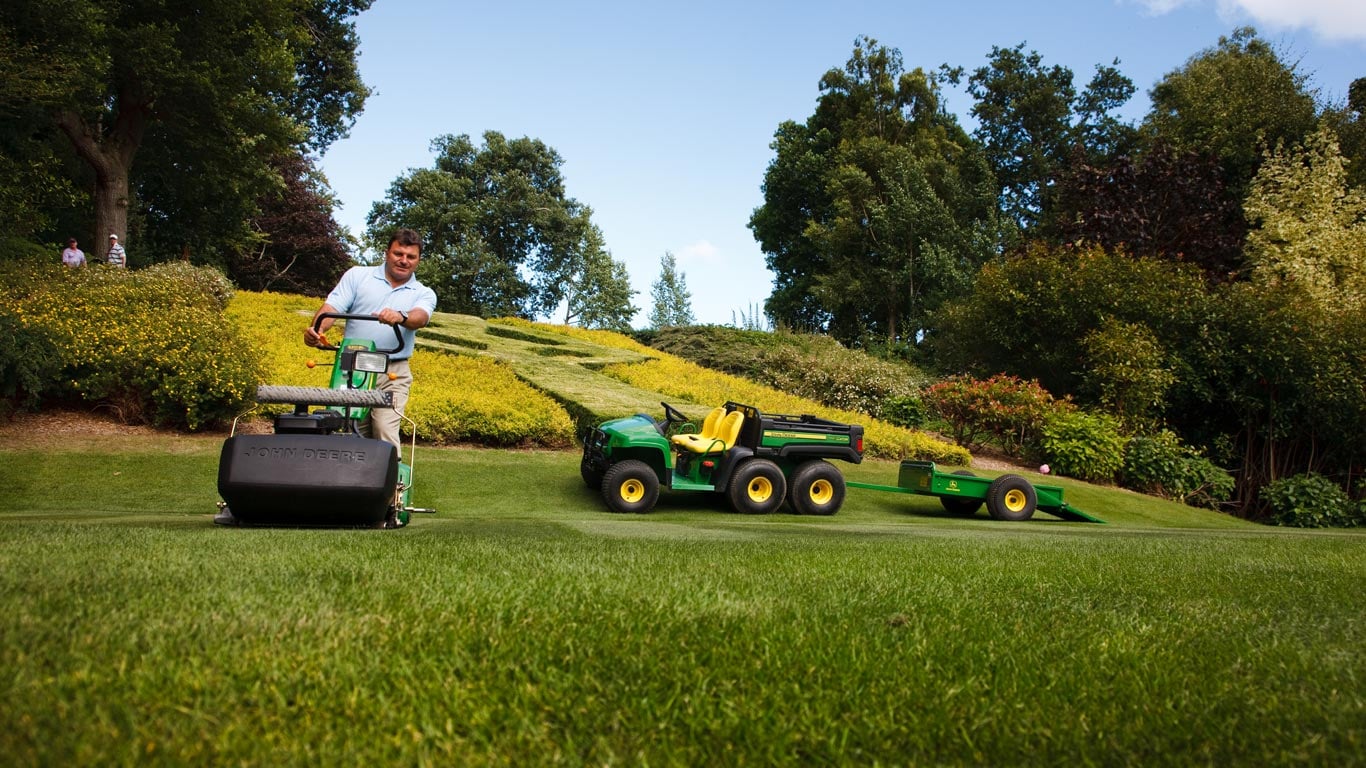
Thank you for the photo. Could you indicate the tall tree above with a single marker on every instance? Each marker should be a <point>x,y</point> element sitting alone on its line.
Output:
<point>1031,120</point>
<point>875,209</point>
<point>672,299</point>
<point>600,293</point>
<point>220,86</point>
<point>501,237</point>
<point>1234,100</point>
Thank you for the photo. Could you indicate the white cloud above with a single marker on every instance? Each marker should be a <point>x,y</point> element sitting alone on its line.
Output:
<point>1334,20</point>
<point>701,254</point>
<point>1161,7</point>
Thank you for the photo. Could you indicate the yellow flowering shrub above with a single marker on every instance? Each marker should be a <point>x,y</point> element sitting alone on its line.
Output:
<point>603,338</point>
<point>149,343</point>
<point>676,377</point>
<point>463,398</point>
<point>455,398</point>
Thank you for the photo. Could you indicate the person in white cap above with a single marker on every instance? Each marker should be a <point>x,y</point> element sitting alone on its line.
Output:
<point>117,258</point>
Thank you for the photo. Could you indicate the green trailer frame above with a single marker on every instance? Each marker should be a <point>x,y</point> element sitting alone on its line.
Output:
<point>1008,497</point>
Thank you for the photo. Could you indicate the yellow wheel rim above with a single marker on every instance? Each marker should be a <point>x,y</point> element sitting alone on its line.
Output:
<point>760,488</point>
<point>632,491</point>
<point>1015,500</point>
<point>822,492</point>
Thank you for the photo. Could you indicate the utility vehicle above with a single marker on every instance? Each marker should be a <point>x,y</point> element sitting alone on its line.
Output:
<point>756,461</point>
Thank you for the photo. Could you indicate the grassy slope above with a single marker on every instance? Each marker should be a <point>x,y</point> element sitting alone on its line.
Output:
<point>563,367</point>
<point>524,624</point>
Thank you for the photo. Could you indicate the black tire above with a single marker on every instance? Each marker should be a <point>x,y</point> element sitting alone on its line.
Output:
<point>757,487</point>
<point>958,506</point>
<point>1011,497</point>
<point>591,477</point>
<point>630,486</point>
<point>816,488</point>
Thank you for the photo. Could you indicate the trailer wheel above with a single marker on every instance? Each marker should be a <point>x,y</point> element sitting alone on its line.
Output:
<point>757,487</point>
<point>1011,497</point>
<point>960,506</point>
<point>630,486</point>
<point>817,488</point>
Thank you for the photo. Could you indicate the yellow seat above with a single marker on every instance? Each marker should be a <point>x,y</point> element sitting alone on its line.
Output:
<point>709,427</point>
<point>726,434</point>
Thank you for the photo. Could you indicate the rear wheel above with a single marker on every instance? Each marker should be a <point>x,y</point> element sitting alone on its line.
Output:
<point>757,487</point>
<point>1011,497</point>
<point>630,486</point>
<point>817,489</point>
<point>960,506</point>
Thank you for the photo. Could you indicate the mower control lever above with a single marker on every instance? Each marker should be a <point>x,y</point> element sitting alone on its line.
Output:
<point>317,323</point>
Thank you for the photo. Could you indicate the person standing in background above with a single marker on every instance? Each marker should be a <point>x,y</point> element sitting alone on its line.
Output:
<point>73,256</point>
<point>116,256</point>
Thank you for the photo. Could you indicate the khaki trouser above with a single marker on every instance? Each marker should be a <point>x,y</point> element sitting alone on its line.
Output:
<point>383,423</point>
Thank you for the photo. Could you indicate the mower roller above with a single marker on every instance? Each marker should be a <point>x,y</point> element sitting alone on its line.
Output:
<point>316,469</point>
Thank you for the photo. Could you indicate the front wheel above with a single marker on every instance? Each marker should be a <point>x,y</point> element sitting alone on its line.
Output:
<point>630,486</point>
<point>1011,497</point>
<point>757,487</point>
<point>817,489</point>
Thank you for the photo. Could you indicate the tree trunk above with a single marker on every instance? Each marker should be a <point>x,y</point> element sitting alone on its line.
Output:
<point>110,155</point>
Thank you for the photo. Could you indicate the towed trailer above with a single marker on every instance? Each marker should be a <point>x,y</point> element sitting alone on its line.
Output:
<point>1008,497</point>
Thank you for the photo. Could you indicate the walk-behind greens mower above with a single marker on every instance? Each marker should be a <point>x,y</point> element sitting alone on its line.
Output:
<point>757,461</point>
<point>317,469</point>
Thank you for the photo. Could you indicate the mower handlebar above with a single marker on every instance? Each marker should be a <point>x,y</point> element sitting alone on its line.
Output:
<point>317,323</point>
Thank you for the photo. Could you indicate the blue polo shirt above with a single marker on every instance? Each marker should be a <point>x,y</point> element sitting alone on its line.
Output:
<point>365,291</point>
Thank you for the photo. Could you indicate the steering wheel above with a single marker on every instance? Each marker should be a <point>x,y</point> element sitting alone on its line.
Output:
<point>317,323</point>
<point>672,416</point>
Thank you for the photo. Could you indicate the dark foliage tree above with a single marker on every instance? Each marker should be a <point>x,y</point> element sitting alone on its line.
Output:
<point>1162,203</point>
<point>301,246</point>
<point>501,237</point>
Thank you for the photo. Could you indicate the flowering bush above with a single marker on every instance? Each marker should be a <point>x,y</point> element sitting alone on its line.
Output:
<point>678,378</point>
<point>150,344</point>
<point>1006,408</point>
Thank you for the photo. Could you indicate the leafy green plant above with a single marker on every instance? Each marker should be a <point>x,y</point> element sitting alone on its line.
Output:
<point>29,364</point>
<point>905,410</point>
<point>1161,465</point>
<point>1083,445</point>
<point>1311,500</point>
<point>1127,373</point>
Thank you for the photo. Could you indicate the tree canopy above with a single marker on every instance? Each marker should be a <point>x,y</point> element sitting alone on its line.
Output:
<point>876,208</point>
<point>176,109</point>
<point>501,236</point>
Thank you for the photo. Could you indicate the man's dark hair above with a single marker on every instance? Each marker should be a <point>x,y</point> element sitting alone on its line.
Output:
<point>405,237</point>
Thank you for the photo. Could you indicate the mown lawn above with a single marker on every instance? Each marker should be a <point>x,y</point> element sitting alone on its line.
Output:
<point>523,624</point>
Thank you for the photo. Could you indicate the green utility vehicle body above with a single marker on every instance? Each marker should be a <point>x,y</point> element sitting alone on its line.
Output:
<point>1008,497</point>
<point>772,460</point>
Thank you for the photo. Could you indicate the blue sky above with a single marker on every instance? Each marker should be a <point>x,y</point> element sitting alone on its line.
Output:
<point>663,113</point>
